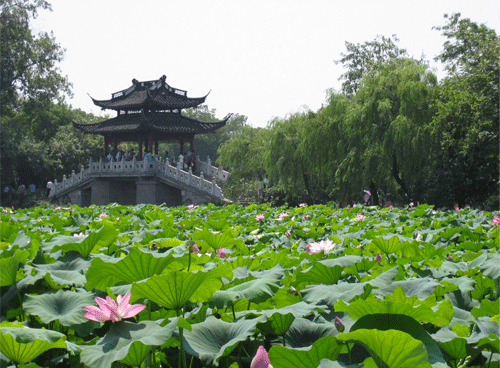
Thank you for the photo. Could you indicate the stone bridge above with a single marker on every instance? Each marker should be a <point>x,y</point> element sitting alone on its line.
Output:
<point>134,182</point>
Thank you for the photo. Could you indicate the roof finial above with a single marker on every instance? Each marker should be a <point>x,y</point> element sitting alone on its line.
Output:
<point>163,78</point>
<point>135,81</point>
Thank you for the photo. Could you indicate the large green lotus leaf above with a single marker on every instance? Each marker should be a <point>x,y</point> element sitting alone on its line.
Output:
<point>457,348</point>
<point>65,306</point>
<point>125,342</point>
<point>324,348</point>
<point>488,264</point>
<point>212,339</point>
<point>83,245</point>
<point>421,287</point>
<point>405,324</point>
<point>9,266</point>
<point>136,266</point>
<point>344,261</point>
<point>172,289</point>
<point>388,246</point>
<point>390,348</point>
<point>487,308</point>
<point>330,294</point>
<point>277,324</point>
<point>485,328</point>
<point>67,270</point>
<point>22,344</point>
<point>215,240</point>
<point>484,285</point>
<point>298,310</point>
<point>303,333</point>
<point>318,274</point>
<point>255,291</point>
<point>421,313</point>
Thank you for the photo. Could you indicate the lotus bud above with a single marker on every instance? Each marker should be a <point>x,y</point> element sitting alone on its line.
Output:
<point>261,359</point>
<point>339,325</point>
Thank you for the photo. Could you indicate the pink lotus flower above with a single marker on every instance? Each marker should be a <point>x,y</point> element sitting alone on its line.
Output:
<point>354,205</point>
<point>261,359</point>
<point>457,208</point>
<point>496,220</point>
<point>110,311</point>
<point>102,215</point>
<point>360,217</point>
<point>323,245</point>
<point>260,216</point>
<point>288,233</point>
<point>79,235</point>
<point>221,253</point>
<point>283,215</point>
<point>194,249</point>
<point>58,207</point>
<point>339,325</point>
<point>391,206</point>
<point>305,217</point>
<point>378,258</point>
<point>302,205</point>
<point>412,204</point>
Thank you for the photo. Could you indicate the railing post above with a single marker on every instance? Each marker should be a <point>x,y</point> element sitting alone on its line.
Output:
<point>190,176</point>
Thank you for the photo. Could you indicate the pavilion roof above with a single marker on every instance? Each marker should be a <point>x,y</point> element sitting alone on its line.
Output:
<point>162,122</point>
<point>150,95</point>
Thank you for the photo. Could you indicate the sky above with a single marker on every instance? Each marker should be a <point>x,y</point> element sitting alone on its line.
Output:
<point>261,59</point>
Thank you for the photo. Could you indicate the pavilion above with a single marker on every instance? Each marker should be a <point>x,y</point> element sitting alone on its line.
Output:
<point>147,113</point>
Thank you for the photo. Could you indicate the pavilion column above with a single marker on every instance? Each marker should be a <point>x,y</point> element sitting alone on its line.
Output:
<point>140,148</point>
<point>181,141</point>
<point>191,142</point>
<point>115,146</point>
<point>106,142</point>
<point>156,147</point>
<point>149,146</point>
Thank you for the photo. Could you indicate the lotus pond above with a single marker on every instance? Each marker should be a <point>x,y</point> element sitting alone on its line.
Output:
<point>316,286</point>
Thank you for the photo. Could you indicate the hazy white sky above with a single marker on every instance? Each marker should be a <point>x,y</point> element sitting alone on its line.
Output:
<point>259,58</point>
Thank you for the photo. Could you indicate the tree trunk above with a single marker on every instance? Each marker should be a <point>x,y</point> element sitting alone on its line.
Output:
<point>373,191</point>
<point>399,180</point>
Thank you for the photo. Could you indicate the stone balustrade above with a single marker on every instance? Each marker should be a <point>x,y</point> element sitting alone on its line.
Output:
<point>162,170</point>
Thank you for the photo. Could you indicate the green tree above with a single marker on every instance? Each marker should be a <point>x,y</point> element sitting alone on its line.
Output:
<point>362,59</point>
<point>206,145</point>
<point>385,140</point>
<point>242,155</point>
<point>28,66</point>
<point>31,94</point>
<point>465,125</point>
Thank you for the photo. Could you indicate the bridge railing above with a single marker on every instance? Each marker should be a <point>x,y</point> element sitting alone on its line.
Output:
<point>135,167</point>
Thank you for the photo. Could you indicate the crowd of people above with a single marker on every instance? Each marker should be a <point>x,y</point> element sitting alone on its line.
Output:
<point>186,160</point>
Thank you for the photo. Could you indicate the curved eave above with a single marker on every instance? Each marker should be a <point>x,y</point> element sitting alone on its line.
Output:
<point>148,102</point>
<point>167,123</point>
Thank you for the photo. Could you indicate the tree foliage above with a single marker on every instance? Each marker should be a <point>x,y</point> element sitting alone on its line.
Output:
<point>465,124</point>
<point>362,59</point>
<point>393,128</point>
<point>38,142</point>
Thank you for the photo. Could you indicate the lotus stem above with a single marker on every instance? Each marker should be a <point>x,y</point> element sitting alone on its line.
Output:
<point>182,352</point>
<point>234,314</point>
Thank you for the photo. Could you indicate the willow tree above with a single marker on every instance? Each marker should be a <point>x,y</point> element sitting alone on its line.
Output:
<point>386,140</point>
<point>243,155</point>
